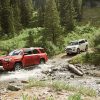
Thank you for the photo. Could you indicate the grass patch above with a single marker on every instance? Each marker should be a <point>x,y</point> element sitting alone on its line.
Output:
<point>86,58</point>
<point>59,86</point>
<point>27,97</point>
<point>75,97</point>
<point>50,98</point>
<point>36,83</point>
<point>86,91</point>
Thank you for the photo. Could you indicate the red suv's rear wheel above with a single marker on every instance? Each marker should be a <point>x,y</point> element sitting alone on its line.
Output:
<point>42,61</point>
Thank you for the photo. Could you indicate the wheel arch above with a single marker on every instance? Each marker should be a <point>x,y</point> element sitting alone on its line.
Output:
<point>43,59</point>
<point>18,62</point>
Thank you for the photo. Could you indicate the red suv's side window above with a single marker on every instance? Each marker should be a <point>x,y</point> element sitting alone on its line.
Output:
<point>28,52</point>
<point>42,50</point>
<point>35,51</point>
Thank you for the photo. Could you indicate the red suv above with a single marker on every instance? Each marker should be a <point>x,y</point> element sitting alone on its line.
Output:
<point>25,57</point>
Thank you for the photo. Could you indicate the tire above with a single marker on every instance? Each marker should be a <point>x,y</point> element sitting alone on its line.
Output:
<point>86,48</point>
<point>78,51</point>
<point>68,54</point>
<point>17,66</point>
<point>42,61</point>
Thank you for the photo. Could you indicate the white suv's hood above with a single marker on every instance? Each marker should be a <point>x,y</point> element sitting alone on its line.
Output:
<point>72,46</point>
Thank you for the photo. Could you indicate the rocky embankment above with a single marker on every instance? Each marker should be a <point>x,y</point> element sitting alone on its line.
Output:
<point>55,69</point>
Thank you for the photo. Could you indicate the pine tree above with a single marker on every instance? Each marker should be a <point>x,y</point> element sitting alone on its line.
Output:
<point>78,4</point>
<point>67,14</point>
<point>16,14</point>
<point>41,10</point>
<point>52,23</point>
<point>0,16</point>
<point>7,21</point>
<point>26,12</point>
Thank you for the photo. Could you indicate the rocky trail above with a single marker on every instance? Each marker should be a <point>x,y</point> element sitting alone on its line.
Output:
<point>55,69</point>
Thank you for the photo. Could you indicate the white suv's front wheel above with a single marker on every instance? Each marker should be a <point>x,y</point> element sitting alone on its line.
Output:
<point>78,51</point>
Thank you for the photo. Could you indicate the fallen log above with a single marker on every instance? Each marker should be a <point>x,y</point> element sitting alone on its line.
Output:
<point>73,69</point>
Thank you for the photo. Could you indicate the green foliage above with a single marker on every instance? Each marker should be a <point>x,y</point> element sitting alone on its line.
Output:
<point>21,40</point>
<point>51,49</point>
<point>88,58</point>
<point>82,32</point>
<point>84,29</point>
<point>96,41</point>
<point>75,97</point>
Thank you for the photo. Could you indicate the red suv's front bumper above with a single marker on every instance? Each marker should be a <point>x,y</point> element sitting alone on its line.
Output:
<point>6,65</point>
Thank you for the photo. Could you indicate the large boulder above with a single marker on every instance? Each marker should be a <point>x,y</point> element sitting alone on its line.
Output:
<point>73,69</point>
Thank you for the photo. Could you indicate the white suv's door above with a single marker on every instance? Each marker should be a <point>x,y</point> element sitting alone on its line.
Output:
<point>82,45</point>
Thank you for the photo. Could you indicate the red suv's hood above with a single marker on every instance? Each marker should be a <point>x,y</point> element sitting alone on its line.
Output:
<point>12,57</point>
<point>2,57</point>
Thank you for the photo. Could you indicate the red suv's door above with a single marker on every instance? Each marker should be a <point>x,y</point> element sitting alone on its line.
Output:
<point>27,58</point>
<point>35,57</point>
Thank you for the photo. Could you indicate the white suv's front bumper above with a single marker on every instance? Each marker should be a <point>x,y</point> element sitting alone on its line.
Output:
<point>70,50</point>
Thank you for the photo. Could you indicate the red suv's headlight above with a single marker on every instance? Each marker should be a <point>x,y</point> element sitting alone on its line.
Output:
<point>7,59</point>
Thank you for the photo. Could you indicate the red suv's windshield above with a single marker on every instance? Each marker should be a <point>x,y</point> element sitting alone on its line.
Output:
<point>15,52</point>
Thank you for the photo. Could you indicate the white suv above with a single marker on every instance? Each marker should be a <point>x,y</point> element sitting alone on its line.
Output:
<point>77,46</point>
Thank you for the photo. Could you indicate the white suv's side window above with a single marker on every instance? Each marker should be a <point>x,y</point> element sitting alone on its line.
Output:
<point>81,42</point>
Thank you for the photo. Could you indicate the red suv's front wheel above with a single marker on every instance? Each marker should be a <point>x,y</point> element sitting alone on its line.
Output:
<point>17,66</point>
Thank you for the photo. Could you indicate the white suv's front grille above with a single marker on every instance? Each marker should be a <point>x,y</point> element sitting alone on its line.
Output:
<point>68,49</point>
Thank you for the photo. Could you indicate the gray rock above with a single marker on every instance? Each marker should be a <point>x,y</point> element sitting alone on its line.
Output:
<point>25,82</point>
<point>13,88</point>
<point>72,76</point>
<point>97,82</point>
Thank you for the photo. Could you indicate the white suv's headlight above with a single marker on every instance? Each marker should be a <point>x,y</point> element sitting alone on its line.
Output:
<point>7,59</point>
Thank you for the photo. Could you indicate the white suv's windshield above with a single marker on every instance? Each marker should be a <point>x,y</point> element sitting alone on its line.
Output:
<point>74,43</point>
<point>15,52</point>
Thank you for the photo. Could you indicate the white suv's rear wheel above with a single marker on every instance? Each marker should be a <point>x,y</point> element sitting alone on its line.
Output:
<point>86,48</point>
